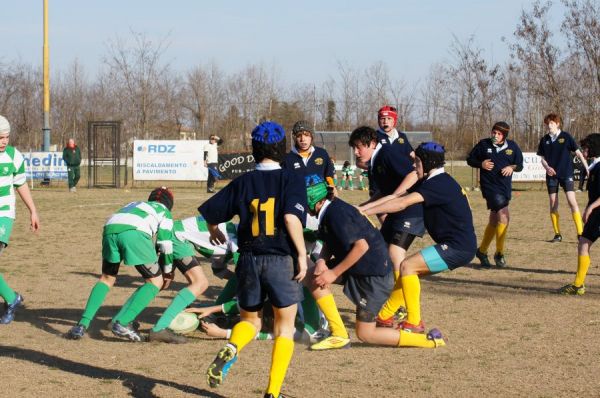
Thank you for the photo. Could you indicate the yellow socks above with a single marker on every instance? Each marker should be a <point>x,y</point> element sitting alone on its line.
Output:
<point>408,339</point>
<point>583,263</point>
<point>578,222</point>
<point>283,349</point>
<point>329,309</point>
<point>243,333</point>
<point>500,237</point>
<point>395,301</point>
<point>488,235</point>
<point>555,218</point>
<point>412,294</point>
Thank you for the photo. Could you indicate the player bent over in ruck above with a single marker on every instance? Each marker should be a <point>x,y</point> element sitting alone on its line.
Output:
<point>270,203</point>
<point>354,254</point>
<point>448,220</point>
<point>128,237</point>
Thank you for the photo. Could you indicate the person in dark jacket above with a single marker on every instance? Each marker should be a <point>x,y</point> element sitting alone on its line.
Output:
<point>72,157</point>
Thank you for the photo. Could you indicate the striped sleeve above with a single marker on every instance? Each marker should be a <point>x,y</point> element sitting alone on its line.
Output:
<point>164,241</point>
<point>19,176</point>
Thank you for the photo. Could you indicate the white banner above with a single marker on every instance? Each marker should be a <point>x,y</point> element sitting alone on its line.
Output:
<point>532,169</point>
<point>169,160</point>
<point>41,165</point>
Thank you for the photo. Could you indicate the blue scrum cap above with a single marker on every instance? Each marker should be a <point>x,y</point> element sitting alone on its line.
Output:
<point>268,133</point>
<point>432,146</point>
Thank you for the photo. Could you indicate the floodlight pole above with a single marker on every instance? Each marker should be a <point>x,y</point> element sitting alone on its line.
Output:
<point>46,66</point>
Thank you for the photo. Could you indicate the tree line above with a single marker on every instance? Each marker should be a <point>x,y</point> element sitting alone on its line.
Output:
<point>458,100</point>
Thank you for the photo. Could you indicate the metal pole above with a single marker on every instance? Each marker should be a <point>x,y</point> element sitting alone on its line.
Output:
<point>46,128</point>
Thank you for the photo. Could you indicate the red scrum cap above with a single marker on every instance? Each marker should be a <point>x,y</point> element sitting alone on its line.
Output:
<point>388,111</point>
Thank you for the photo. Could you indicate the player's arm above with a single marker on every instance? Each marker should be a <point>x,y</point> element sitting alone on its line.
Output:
<point>408,181</point>
<point>549,170</point>
<point>394,205</point>
<point>296,233</point>
<point>327,277</point>
<point>583,160</point>
<point>26,197</point>
<point>473,158</point>
<point>590,208</point>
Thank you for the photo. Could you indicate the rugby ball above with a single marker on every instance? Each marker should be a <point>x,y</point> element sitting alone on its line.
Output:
<point>184,323</point>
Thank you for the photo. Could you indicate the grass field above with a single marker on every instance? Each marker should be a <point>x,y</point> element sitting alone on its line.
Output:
<point>509,334</point>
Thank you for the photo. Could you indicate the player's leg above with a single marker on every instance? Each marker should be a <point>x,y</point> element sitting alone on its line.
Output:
<point>326,302</point>
<point>572,200</point>
<point>552,184</point>
<point>503,217</point>
<point>488,235</point>
<point>111,260</point>
<point>283,347</point>
<point>398,244</point>
<point>76,175</point>
<point>197,285</point>
<point>410,270</point>
<point>12,299</point>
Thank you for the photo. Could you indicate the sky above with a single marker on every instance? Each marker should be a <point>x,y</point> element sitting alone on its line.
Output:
<point>303,40</point>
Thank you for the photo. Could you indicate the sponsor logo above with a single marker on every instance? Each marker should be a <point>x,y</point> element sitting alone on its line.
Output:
<point>299,207</point>
<point>157,148</point>
<point>296,165</point>
<point>489,150</point>
<point>319,161</point>
<point>406,224</point>
<point>363,302</point>
<point>444,246</point>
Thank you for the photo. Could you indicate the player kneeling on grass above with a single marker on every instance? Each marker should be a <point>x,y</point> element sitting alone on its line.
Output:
<point>270,203</point>
<point>128,237</point>
<point>12,177</point>
<point>354,254</point>
<point>591,218</point>
<point>448,220</point>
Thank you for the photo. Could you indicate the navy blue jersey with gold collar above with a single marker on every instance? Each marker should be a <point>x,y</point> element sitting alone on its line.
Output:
<point>340,225</point>
<point>401,143</point>
<point>558,153</point>
<point>318,163</point>
<point>260,198</point>
<point>492,181</point>
<point>448,217</point>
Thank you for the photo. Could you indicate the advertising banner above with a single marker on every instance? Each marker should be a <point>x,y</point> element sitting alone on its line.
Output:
<point>532,169</point>
<point>169,160</point>
<point>232,165</point>
<point>43,165</point>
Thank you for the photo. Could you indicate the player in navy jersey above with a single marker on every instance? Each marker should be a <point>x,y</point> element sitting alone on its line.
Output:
<point>393,173</point>
<point>305,158</point>
<point>387,117</point>
<point>271,206</point>
<point>355,255</point>
<point>497,157</point>
<point>555,149</point>
<point>591,217</point>
<point>448,220</point>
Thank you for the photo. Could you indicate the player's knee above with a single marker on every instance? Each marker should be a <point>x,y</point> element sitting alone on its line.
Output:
<point>2,246</point>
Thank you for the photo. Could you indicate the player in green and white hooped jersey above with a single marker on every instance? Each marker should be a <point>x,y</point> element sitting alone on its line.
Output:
<point>128,237</point>
<point>12,178</point>
<point>189,234</point>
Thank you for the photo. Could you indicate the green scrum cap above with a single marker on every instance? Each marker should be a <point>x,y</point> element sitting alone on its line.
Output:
<point>316,190</point>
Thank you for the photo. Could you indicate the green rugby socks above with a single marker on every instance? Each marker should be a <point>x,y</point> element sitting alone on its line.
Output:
<point>97,296</point>
<point>139,300</point>
<point>184,298</point>
<point>6,292</point>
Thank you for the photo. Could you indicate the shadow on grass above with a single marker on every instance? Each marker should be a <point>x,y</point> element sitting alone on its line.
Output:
<point>478,267</point>
<point>139,385</point>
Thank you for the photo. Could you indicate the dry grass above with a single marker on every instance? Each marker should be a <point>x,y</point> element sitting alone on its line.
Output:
<point>509,335</point>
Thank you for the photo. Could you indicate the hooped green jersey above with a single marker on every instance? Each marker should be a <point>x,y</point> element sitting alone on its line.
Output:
<point>152,218</point>
<point>12,174</point>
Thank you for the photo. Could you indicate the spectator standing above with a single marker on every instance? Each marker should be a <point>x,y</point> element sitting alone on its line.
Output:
<point>72,157</point>
<point>211,161</point>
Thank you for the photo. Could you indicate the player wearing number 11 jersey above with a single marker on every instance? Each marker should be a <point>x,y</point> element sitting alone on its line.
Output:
<point>271,205</point>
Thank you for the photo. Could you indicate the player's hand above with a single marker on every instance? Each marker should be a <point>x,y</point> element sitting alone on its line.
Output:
<point>167,279</point>
<point>507,171</point>
<point>35,221</point>
<point>487,164</point>
<point>203,311</point>
<point>217,237</point>
<point>302,267</point>
<point>320,267</point>
<point>550,171</point>
<point>325,279</point>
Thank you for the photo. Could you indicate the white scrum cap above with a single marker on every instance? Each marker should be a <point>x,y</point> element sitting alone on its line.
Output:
<point>4,125</point>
